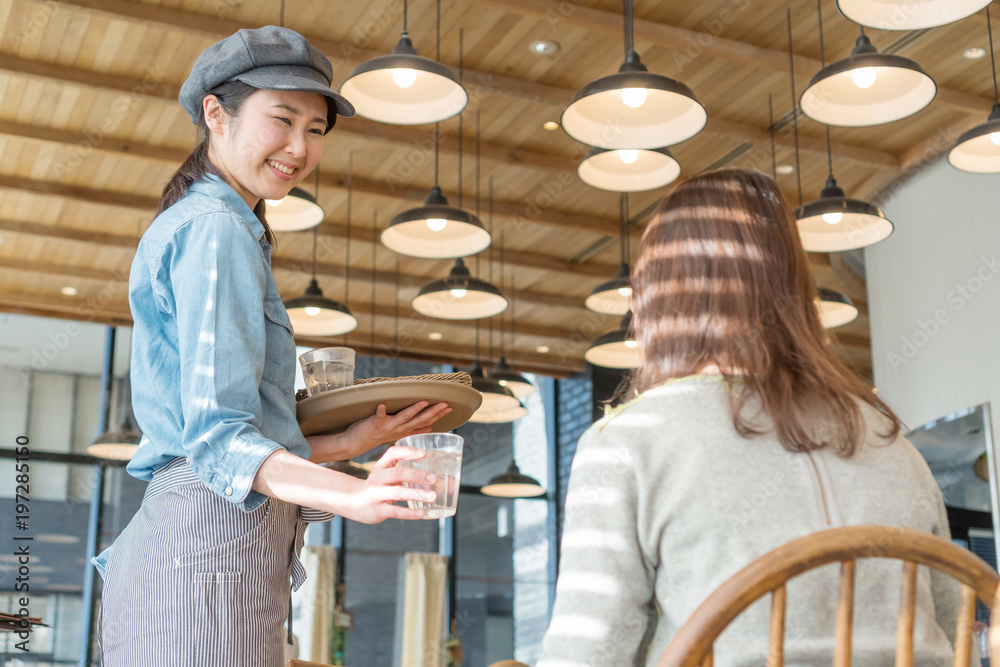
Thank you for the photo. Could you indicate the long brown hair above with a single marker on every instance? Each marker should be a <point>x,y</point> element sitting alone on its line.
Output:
<point>232,96</point>
<point>722,280</point>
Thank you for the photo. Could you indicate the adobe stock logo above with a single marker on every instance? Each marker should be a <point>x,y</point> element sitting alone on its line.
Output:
<point>958,297</point>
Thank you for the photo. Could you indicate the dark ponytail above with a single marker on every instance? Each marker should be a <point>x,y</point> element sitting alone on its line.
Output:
<point>231,96</point>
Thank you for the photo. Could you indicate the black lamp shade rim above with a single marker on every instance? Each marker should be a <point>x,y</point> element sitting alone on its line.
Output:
<point>984,129</point>
<point>833,296</point>
<point>317,302</point>
<point>616,336</point>
<point>488,385</point>
<point>449,213</point>
<point>121,437</point>
<point>406,61</point>
<point>866,60</point>
<point>649,80</point>
<point>595,151</point>
<point>302,194</point>
<point>846,205</point>
<point>460,282</point>
<point>510,477</point>
<point>509,377</point>
<point>612,285</point>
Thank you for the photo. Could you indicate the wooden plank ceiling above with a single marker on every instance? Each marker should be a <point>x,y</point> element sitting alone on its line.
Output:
<point>90,130</point>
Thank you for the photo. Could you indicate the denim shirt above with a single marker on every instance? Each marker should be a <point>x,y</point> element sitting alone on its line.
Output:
<point>213,359</point>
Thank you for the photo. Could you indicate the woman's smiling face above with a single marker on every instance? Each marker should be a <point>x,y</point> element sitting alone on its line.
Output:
<point>276,141</point>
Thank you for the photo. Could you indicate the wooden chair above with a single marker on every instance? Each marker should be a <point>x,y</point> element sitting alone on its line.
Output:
<point>692,645</point>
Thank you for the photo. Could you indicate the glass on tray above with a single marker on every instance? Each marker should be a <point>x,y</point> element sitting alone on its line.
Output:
<point>443,458</point>
<point>327,368</point>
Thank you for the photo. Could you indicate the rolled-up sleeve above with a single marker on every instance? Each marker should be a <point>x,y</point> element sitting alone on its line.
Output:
<point>218,280</point>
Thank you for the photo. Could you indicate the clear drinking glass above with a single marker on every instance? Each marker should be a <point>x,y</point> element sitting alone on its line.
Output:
<point>327,368</point>
<point>443,458</point>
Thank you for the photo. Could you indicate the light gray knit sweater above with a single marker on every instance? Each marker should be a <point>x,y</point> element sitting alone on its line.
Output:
<point>666,501</point>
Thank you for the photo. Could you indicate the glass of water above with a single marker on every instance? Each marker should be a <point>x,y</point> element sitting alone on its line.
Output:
<point>327,368</point>
<point>443,458</point>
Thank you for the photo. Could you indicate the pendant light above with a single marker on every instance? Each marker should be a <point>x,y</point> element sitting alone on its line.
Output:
<point>634,108</point>
<point>513,484</point>
<point>298,210</point>
<point>867,88</point>
<point>835,308</point>
<point>436,230</point>
<point>906,15</point>
<point>627,170</point>
<point>835,222</point>
<point>121,443</point>
<point>614,297</point>
<point>312,314</point>
<point>403,88</point>
<point>978,150</point>
<point>616,349</point>
<point>519,385</point>
<point>460,296</point>
<point>295,212</point>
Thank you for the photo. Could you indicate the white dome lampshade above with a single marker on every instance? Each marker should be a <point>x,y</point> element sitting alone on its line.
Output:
<point>836,222</point>
<point>297,211</point>
<point>120,445</point>
<point>613,297</point>
<point>436,231</point>
<point>633,108</point>
<point>518,384</point>
<point>978,150</point>
<point>499,403</point>
<point>616,349</point>
<point>404,88</point>
<point>459,297</point>
<point>629,170</point>
<point>513,484</point>
<point>908,15</point>
<point>312,314</point>
<point>867,88</point>
<point>835,308</point>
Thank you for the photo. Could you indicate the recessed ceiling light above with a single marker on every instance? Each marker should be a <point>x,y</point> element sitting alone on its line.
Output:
<point>550,125</point>
<point>434,335</point>
<point>544,47</point>
<point>542,349</point>
<point>68,291</point>
<point>784,169</point>
<point>974,53</point>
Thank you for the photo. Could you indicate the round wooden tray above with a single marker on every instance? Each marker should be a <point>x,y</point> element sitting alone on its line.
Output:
<point>334,411</point>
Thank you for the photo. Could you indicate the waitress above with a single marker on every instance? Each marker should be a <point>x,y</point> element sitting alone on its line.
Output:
<point>202,574</point>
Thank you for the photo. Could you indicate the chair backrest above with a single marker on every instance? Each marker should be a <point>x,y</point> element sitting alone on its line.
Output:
<point>692,645</point>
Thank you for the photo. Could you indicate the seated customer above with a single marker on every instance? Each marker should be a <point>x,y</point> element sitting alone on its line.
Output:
<point>747,433</point>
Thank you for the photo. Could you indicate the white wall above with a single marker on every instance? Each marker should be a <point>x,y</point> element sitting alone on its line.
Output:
<point>934,296</point>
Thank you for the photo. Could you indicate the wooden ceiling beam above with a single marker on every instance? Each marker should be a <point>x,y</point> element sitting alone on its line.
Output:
<point>277,263</point>
<point>732,50</point>
<point>43,305</point>
<point>512,211</point>
<point>153,87</point>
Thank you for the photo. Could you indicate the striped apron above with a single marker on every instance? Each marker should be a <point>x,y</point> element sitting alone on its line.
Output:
<point>195,581</point>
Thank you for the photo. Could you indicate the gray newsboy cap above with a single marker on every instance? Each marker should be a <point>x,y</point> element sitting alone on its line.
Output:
<point>272,58</point>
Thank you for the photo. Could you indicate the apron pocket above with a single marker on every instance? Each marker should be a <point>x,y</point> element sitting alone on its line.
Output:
<point>213,601</point>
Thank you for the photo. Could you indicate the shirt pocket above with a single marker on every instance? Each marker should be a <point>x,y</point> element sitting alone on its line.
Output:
<point>279,355</point>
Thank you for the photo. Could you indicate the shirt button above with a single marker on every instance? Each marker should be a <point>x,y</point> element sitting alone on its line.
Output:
<point>229,491</point>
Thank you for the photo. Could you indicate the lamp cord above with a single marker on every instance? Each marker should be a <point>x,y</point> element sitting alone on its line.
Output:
<point>461,115</point>
<point>822,62</point>
<point>795,107</point>
<point>770,116</point>
<point>629,39</point>
<point>989,28</point>
<point>477,166</point>
<point>315,239</point>
<point>281,15</point>
<point>371,335</point>
<point>628,237</point>
<point>437,150</point>
<point>513,316</point>
<point>347,251</point>
<point>395,326</point>
<point>438,38</point>
<point>404,17</point>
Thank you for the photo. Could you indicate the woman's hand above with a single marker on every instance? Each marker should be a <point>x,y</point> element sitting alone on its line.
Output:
<point>384,486</point>
<point>374,431</point>
<point>295,480</point>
